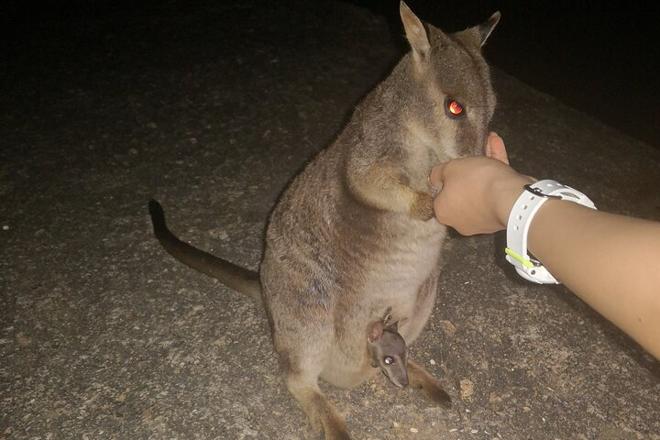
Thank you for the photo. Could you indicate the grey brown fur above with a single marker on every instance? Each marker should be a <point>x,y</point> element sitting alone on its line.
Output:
<point>388,350</point>
<point>354,231</point>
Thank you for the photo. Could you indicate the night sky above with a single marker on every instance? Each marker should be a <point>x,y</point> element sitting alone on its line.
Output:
<point>599,57</point>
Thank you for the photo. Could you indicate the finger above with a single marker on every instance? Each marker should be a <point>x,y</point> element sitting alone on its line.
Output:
<point>495,148</point>
<point>438,209</point>
<point>437,175</point>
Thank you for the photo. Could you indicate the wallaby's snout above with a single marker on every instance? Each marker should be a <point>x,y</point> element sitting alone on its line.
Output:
<point>398,376</point>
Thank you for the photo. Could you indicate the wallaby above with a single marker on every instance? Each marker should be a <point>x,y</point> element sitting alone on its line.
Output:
<point>388,350</point>
<point>354,232</point>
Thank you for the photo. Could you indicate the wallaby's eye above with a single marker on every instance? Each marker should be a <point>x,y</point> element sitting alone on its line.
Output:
<point>454,108</point>
<point>388,360</point>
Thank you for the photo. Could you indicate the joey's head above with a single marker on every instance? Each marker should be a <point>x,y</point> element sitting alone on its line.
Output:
<point>449,99</point>
<point>388,352</point>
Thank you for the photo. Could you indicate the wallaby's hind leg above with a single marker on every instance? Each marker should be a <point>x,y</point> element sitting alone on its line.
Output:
<point>420,378</point>
<point>320,411</point>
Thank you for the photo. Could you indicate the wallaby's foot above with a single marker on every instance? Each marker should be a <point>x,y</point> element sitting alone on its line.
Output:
<point>322,415</point>
<point>420,378</point>
<point>422,206</point>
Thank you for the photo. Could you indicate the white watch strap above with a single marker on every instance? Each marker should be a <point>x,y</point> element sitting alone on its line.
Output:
<point>520,218</point>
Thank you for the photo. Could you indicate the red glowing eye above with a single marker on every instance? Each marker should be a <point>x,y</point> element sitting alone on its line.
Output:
<point>454,107</point>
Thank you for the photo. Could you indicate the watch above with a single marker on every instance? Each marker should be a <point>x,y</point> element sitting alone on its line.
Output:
<point>520,218</point>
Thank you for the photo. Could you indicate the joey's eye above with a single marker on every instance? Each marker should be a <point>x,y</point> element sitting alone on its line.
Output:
<point>388,360</point>
<point>454,108</point>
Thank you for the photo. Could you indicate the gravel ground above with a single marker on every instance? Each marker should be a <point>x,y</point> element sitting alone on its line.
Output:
<point>212,109</point>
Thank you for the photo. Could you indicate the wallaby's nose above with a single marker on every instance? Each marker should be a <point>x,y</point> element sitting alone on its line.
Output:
<point>403,380</point>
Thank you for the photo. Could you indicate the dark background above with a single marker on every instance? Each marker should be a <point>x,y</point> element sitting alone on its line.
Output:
<point>599,57</point>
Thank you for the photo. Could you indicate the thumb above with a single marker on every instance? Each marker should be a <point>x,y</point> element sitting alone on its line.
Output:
<point>437,176</point>
<point>495,148</point>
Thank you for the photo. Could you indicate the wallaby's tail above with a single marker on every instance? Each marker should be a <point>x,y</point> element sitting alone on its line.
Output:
<point>233,276</point>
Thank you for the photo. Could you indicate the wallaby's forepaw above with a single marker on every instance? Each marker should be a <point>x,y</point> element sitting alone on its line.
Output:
<point>422,206</point>
<point>422,379</point>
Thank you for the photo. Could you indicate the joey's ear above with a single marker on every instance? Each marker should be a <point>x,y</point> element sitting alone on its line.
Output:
<point>486,28</point>
<point>375,331</point>
<point>476,36</point>
<point>415,32</point>
<point>395,325</point>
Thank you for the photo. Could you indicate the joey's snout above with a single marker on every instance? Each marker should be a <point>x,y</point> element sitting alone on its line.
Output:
<point>399,378</point>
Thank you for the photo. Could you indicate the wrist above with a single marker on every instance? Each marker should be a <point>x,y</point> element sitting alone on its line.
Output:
<point>523,213</point>
<point>506,193</point>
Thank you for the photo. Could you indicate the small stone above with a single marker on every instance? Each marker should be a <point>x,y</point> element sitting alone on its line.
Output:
<point>414,430</point>
<point>474,431</point>
<point>432,362</point>
<point>447,327</point>
<point>23,340</point>
<point>5,227</point>
<point>395,424</point>
<point>219,234</point>
<point>467,389</point>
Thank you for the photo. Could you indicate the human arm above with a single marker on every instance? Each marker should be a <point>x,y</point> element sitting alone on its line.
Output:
<point>611,262</point>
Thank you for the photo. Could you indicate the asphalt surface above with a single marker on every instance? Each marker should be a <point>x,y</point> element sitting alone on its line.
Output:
<point>212,109</point>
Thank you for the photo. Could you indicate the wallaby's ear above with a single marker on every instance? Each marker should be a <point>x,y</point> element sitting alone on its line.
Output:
<point>415,32</point>
<point>476,36</point>
<point>486,28</point>
<point>375,331</point>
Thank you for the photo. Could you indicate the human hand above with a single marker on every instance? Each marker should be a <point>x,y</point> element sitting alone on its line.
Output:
<point>477,192</point>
